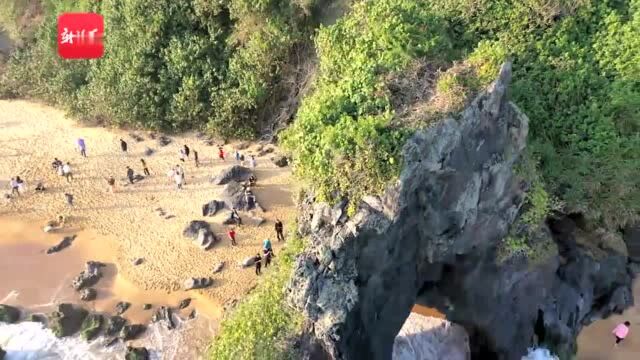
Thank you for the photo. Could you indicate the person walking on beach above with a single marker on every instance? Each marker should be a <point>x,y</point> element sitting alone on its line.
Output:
<point>56,164</point>
<point>266,245</point>
<point>180,171</point>
<point>21,185</point>
<point>123,146</point>
<point>69,198</point>
<point>66,171</point>
<point>186,150</point>
<point>130,174</point>
<point>268,254</point>
<point>179,180</point>
<point>253,162</point>
<point>620,332</point>
<point>145,169</point>
<point>82,147</point>
<point>237,155</point>
<point>111,181</point>
<point>220,153</point>
<point>195,158</point>
<point>279,230</point>
<point>15,187</point>
<point>258,263</point>
<point>232,236</point>
<point>182,155</point>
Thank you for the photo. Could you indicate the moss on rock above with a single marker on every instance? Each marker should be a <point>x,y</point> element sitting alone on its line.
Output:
<point>91,326</point>
<point>67,320</point>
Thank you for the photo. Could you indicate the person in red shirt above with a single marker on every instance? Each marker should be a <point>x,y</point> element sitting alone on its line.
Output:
<point>232,236</point>
<point>221,153</point>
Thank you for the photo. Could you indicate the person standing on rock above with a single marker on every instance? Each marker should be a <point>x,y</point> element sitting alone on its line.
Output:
<point>279,230</point>
<point>130,174</point>
<point>145,169</point>
<point>232,236</point>
<point>258,263</point>
<point>195,158</point>
<point>123,146</point>
<point>220,153</point>
<point>66,171</point>
<point>82,147</point>
<point>186,150</point>
<point>620,332</point>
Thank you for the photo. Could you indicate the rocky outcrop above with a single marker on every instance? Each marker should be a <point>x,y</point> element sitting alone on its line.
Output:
<point>66,320</point>
<point>632,240</point>
<point>9,314</point>
<point>233,196</point>
<point>424,337</point>
<point>184,303</point>
<point>132,332</point>
<point>91,326</point>
<point>235,173</point>
<point>121,307</point>
<point>164,315</point>
<point>212,207</point>
<point>134,353</point>
<point>201,232</point>
<point>64,243</point>
<point>431,238</point>
<point>197,283</point>
<point>115,324</point>
<point>88,294</point>
<point>89,276</point>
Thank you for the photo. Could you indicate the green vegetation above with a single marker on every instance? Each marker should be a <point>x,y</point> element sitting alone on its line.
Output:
<point>91,326</point>
<point>259,326</point>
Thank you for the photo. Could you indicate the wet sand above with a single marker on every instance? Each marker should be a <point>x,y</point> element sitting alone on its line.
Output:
<point>36,281</point>
<point>596,341</point>
<point>34,134</point>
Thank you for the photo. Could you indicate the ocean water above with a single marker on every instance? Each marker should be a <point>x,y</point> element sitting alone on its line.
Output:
<point>32,341</point>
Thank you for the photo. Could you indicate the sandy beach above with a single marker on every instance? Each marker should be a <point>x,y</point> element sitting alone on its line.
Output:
<point>33,134</point>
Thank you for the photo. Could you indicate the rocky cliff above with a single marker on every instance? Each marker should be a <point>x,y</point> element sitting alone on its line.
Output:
<point>431,238</point>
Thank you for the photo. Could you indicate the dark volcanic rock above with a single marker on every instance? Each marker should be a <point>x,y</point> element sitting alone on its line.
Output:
<point>89,276</point>
<point>194,227</point>
<point>138,261</point>
<point>432,239</point>
<point>67,320</point>
<point>91,326</point>
<point>212,207</point>
<point>233,196</point>
<point>115,324</point>
<point>235,173</point>
<point>121,307</point>
<point>147,307</point>
<point>184,303</point>
<point>280,160</point>
<point>88,294</point>
<point>134,353</point>
<point>632,239</point>
<point>197,283</point>
<point>9,314</point>
<point>64,243</point>
<point>41,318</point>
<point>192,314</point>
<point>201,232</point>
<point>132,332</point>
<point>164,315</point>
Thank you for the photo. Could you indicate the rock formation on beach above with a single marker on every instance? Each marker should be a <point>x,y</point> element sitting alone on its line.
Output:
<point>9,314</point>
<point>89,276</point>
<point>432,239</point>
<point>235,173</point>
<point>423,337</point>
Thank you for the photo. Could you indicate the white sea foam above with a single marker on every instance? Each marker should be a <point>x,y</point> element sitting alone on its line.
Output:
<point>539,354</point>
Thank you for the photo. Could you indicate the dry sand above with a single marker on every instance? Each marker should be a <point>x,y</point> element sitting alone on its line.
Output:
<point>33,134</point>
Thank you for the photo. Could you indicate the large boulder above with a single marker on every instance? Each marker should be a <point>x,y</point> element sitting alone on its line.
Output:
<point>88,294</point>
<point>212,207</point>
<point>234,197</point>
<point>197,283</point>
<point>206,239</point>
<point>132,332</point>
<point>9,314</point>
<point>66,320</point>
<point>423,337</point>
<point>235,173</point>
<point>136,353</point>
<point>193,229</point>
<point>121,307</point>
<point>91,326</point>
<point>89,276</point>
<point>64,243</point>
<point>164,315</point>
<point>280,160</point>
<point>115,325</point>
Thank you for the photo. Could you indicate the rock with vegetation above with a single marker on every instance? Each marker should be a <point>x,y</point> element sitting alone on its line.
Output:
<point>91,326</point>
<point>136,353</point>
<point>431,238</point>
<point>114,325</point>
<point>235,173</point>
<point>89,276</point>
<point>9,314</point>
<point>66,320</point>
<point>131,332</point>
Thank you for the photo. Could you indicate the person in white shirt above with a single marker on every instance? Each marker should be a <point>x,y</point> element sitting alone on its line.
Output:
<point>66,171</point>
<point>253,161</point>
<point>15,187</point>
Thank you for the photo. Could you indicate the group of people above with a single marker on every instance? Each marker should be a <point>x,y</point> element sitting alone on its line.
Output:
<point>63,169</point>
<point>267,250</point>
<point>241,159</point>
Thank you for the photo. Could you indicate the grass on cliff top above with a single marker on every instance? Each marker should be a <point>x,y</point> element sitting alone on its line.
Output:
<point>259,326</point>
